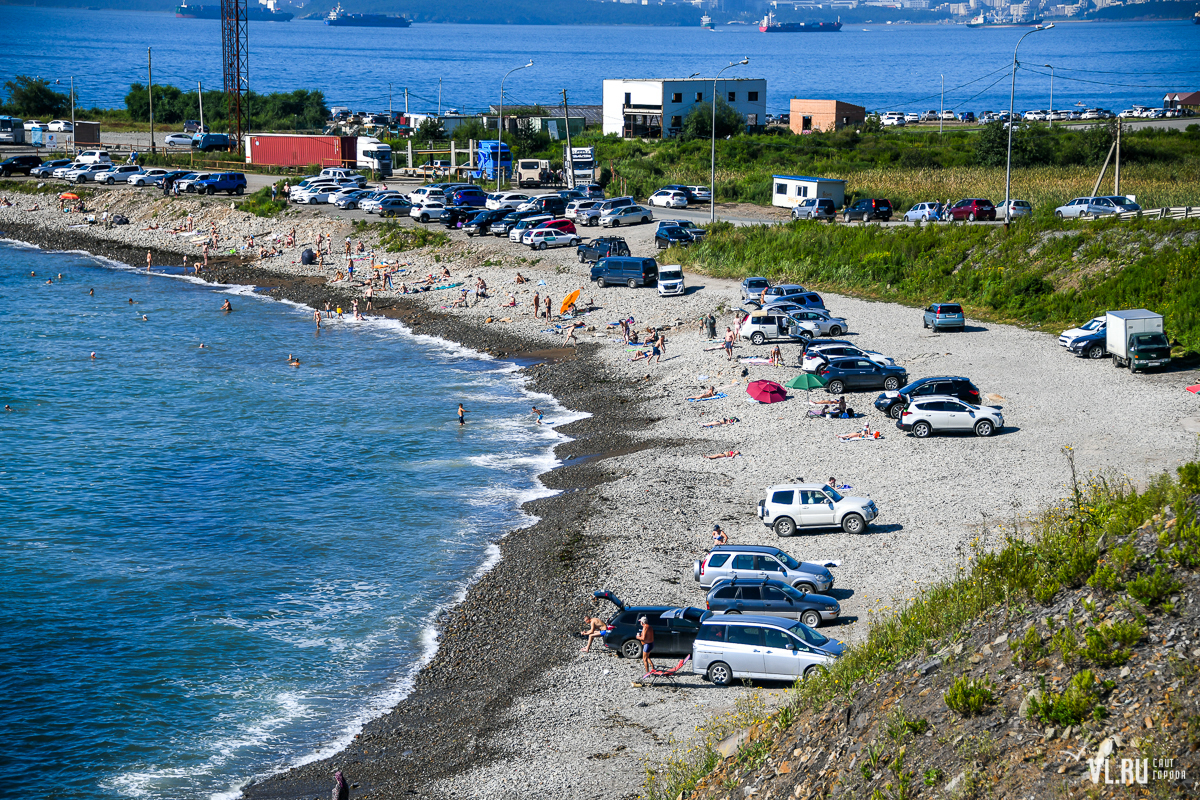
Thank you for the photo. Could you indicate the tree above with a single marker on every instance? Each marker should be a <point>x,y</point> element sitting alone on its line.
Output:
<point>698,124</point>
<point>473,129</point>
<point>1032,145</point>
<point>429,131</point>
<point>33,97</point>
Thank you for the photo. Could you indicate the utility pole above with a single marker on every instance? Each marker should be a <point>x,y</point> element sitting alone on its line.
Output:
<point>942,106</point>
<point>1117,173</point>
<point>406,101</point>
<point>439,98</point>
<point>72,112</point>
<point>200,94</point>
<point>150,92</point>
<point>389,102</point>
<point>570,159</point>
<point>1051,94</point>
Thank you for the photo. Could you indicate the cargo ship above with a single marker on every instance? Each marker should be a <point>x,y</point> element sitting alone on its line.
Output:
<point>984,21</point>
<point>339,17</point>
<point>263,11</point>
<point>706,22</point>
<point>769,25</point>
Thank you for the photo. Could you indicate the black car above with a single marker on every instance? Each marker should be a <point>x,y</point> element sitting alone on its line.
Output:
<point>482,222</point>
<point>23,164</point>
<point>674,628</point>
<point>601,247</point>
<point>454,216</point>
<point>665,237</point>
<point>169,179</point>
<point>892,403</point>
<point>194,126</point>
<point>869,209</point>
<point>502,226</point>
<point>851,374</point>
<point>774,598</point>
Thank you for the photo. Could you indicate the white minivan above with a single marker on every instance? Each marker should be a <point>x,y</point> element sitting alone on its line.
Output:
<point>730,647</point>
<point>670,280</point>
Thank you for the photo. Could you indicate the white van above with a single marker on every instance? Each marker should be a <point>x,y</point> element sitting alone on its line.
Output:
<point>93,157</point>
<point>670,280</point>
<point>426,194</point>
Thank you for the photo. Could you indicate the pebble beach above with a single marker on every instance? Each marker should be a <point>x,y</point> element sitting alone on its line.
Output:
<point>509,707</point>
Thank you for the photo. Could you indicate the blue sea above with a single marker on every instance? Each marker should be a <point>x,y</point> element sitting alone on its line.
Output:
<point>217,565</point>
<point>882,67</point>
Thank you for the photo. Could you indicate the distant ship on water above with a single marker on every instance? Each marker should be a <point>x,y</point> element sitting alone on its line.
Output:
<point>996,21</point>
<point>769,25</point>
<point>339,17</point>
<point>263,11</point>
<point>706,22</point>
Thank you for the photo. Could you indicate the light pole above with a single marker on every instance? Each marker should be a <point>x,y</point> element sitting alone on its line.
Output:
<point>1051,94</point>
<point>942,106</point>
<point>500,122</point>
<point>712,180</point>
<point>72,112</point>
<point>1012,94</point>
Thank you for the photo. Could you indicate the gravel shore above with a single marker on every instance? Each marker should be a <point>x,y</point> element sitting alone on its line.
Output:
<point>509,707</point>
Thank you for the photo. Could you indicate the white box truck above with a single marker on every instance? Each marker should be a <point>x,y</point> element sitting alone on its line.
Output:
<point>1135,339</point>
<point>532,172</point>
<point>579,165</point>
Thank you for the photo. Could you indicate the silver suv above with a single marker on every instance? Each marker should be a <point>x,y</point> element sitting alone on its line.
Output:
<point>790,506</point>
<point>751,646</point>
<point>755,561</point>
<point>942,413</point>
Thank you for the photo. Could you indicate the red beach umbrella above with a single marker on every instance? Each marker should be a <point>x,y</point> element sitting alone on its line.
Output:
<point>766,391</point>
<point>1194,389</point>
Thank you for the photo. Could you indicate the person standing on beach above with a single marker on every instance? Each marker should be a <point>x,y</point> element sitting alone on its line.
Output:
<point>718,536</point>
<point>646,637</point>
<point>537,305</point>
<point>728,344</point>
<point>370,288</point>
<point>341,789</point>
<point>462,412</point>
<point>206,255</point>
<point>547,306</point>
<point>317,318</point>
<point>537,413</point>
<point>149,258</point>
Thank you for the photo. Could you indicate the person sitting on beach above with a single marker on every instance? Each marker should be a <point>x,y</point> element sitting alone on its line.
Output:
<point>777,357</point>
<point>445,272</point>
<point>712,392</point>
<point>340,276</point>
<point>718,423</point>
<point>153,226</point>
<point>262,251</point>
<point>512,301</point>
<point>596,629</point>
<point>521,278</point>
<point>36,207</point>
<point>4,201</point>
<point>729,454</point>
<point>361,247</point>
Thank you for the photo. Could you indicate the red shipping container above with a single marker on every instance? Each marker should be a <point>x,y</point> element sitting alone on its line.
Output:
<point>287,150</point>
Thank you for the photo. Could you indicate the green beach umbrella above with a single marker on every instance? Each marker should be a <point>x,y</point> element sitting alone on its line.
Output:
<point>806,380</point>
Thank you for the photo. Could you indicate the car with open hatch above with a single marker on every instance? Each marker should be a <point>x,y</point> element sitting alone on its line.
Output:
<point>674,627</point>
<point>790,507</point>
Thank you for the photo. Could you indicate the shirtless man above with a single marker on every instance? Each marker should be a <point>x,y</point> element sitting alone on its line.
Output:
<point>711,392</point>
<point>537,304</point>
<point>595,631</point>
<point>227,306</point>
<point>646,637</point>
<point>293,361</point>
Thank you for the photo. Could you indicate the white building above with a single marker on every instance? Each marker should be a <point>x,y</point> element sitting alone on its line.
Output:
<point>651,109</point>
<point>789,190</point>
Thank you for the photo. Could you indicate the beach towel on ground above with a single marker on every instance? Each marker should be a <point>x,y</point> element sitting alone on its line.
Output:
<point>717,396</point>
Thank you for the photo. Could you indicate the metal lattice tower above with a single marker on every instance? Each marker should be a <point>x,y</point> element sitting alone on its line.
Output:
<point>235,58</point>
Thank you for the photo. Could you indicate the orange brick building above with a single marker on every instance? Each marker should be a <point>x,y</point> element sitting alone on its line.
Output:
<point>824,115</point>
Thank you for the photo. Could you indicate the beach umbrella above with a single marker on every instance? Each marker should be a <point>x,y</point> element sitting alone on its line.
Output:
<point>68,196</point>
<point>571,298</point>
<point>807,381</point>
<point>1194,389</point>
<point>766,391</point>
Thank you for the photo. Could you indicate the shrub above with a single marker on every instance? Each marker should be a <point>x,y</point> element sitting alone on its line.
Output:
<point>1075,704</point>
<point>1152,590</point>
<point>1108,644</point>
<point>970,697</point>
<point>260,203</point>
<point>1029,648</point>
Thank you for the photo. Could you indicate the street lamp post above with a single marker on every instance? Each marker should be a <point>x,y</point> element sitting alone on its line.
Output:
<point>1051,94</point>
<point>942,107</point>
<point>500,121</point>
<point>1012,94</point>
<point>712,179</point>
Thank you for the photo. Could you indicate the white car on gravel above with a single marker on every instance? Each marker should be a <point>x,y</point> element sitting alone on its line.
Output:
<point>147,177</point>
<point>667,198</point>
<point>819,353</point>
<point>792,506</point>
<point>542,238</point>
<point>499,200</point>
<point>946,414</point>
<point>431,209</point>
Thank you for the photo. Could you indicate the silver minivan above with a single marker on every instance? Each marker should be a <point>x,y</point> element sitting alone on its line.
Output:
<point>768,648</point>
<point>756,561</point>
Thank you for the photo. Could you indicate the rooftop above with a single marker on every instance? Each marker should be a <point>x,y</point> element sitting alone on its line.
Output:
<point>809,178</point>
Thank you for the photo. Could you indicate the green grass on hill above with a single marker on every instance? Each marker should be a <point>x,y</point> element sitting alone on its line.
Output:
<point>1041,272</point>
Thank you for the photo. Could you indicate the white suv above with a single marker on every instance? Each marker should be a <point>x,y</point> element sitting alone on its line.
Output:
<point>945,413</point>
<point>93,157</point>
<point>791,506</point>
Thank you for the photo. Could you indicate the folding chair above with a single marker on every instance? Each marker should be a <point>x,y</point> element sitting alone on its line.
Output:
<point>665,676</point>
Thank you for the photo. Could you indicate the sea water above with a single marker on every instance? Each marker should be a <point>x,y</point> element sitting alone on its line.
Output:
<point>443,66</point>
<point>218,565</point>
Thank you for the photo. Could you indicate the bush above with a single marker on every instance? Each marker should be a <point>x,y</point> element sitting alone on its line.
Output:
<point>1075,704</point>
<point>1152,590</point>
<point>260,203</point>
<point>970,697</point>
<point>1029,648</point>
<point>1108,644</point>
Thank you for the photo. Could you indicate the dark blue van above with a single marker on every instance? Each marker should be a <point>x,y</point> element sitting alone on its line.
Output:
<point>632,272</point>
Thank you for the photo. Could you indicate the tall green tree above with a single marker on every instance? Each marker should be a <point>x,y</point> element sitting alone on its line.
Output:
<point>698,123</point>
<point>33,97</point>
<point>1032,145</point>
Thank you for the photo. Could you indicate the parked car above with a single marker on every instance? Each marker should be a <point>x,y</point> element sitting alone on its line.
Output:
<point>575,206</point>
<point>370,203</point>
<point>118,173</point>
<point>966,116</point>
<point>506,224</point>
<point>473,197</point>
<point>93,157</point>
<point>973,208</point>
<point>456,216</point>
<point>518,230</point>
<point>940,316</point>
<point>393,206</point>
<point>30,124</point>
<point>868,209</point>
<point>423,193</point>
<point>945,414</point>
<point>772,598</point>
<point>602,247</point>
<point>817,354</point>
<point>61,126</point>
<point>766,325</point>
<point>700,194</point>
<point>349,198</point>
<point>819,321</point>
<point>672,235</point>
<point>912,117</point>
<point>926,212</point>
<point>752,288</point>
<point>82,173</point>
<point>802,298</point>
<point>815,208</point>
<point>792,506</point>
<point>858,374</point>
<point>1093,325</point>
<point>194,126</point>
<point>498,200</point>
<point>593,191</point>
<point>695,230</point>
<point>46,168</point>
<point>22,164</point>
<point>591,216</point>
<point>1095,207</point>
<point>630,215</point>
<point>228,182</point>
<point>187,182</point>
<point>1019,208</point>
<point>147,177</point>
<point>541,238</point>
<point>674,628</point>
<point>481,223</point>
<point>551,204</point>
<point>668,198</point>
<point>670,280</point>
<point>563,225</point>
<point>179,140</point>
<point>632,272</point>
<point>426,211</point>
<point>728,648</point>
<point>893,403</point>
<point>726,561</point>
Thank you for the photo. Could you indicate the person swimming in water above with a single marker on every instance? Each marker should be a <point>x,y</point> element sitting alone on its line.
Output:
<point>293,361</point>
<point>227,306</point>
